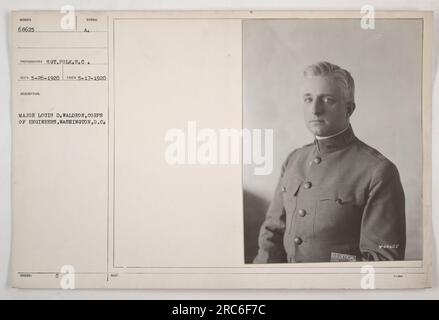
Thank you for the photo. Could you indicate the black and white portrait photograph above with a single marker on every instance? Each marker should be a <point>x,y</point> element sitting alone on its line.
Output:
<point>233,150</point>
<point>344,101</point>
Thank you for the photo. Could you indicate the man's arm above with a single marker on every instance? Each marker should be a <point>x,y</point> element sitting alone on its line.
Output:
<point>383,229</point>
<point>271,249</point>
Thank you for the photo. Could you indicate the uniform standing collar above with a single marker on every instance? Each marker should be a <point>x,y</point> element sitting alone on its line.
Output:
<point>336,142</point>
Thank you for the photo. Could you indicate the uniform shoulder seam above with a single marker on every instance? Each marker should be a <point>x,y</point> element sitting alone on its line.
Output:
<point>292,153</point>
<point>372,152</point>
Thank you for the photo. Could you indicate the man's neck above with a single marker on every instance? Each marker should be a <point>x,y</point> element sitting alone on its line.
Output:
<point>327,137</point>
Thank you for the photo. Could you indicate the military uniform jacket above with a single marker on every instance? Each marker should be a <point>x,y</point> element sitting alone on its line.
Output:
<point>337,199</point>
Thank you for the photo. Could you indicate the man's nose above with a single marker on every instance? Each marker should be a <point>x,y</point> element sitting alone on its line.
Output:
<point>317,107</point>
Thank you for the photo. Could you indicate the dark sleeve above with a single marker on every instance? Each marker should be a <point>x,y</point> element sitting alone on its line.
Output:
<point>383,228</point>
<point>271,249</point>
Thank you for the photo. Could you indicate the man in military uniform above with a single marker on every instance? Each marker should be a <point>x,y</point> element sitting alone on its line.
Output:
<point>337,198</point>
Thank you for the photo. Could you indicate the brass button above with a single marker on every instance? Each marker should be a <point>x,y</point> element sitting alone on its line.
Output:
<point>339,201</point>
<point>284,189</point>
<point>302,212</point>
<point>317,160</point>
<point>308,185</point>
<point>298,240</point>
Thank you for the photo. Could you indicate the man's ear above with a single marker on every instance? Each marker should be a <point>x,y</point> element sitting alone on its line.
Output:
<point>350,108</point>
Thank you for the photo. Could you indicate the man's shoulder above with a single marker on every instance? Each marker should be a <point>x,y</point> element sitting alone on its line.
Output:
<point>374,158</point>
<point>361,154</point>
<point>301,150</point>
<point>298,153</point>
<point>372,154</point>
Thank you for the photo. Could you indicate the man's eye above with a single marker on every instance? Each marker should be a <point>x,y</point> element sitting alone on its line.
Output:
<point>307,100</point>
<point>328,100</point>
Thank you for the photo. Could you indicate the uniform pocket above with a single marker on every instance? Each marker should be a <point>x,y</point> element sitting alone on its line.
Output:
<point>338,218</point>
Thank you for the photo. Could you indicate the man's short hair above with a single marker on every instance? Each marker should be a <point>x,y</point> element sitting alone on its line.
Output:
<point>342,76</point>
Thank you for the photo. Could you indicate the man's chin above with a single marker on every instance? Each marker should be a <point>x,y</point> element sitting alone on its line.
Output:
<point>316,131</point>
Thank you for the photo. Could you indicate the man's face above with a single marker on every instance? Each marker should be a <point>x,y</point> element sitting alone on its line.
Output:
<point>325,109</point>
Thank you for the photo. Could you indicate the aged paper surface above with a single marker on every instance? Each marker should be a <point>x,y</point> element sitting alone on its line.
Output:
<point>94,199</point>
